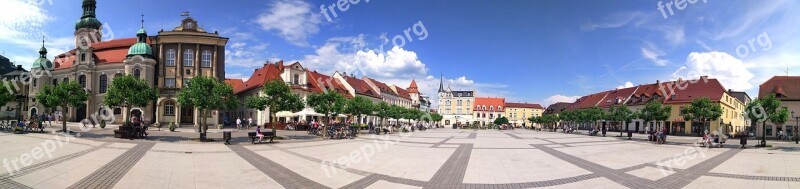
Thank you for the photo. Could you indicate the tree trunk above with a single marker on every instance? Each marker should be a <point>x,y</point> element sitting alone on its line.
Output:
<point>63,121</point>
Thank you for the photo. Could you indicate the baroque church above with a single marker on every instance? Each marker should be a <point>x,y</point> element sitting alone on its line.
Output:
<point>166,61</point>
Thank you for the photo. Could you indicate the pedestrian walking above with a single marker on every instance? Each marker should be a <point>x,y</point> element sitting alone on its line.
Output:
<point>239,123</point>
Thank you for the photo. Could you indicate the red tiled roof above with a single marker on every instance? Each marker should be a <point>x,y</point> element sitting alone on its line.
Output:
<point>381,86</point>
<point>413,88</point>
<point>235,83</point>
<point>490,102</point>
<point>402,93</point>
<point>589,101</point>
<point>106,52</point>
<point>784,87</point>
<point>710,88</point>
<point>320,81</point>
<point>523,105</point>
<point>617,97</point>
<point>557,107</point>
<point>262,75</point>
<point>361,87</point>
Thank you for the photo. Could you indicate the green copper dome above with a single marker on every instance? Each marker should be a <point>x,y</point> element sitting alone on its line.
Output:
<point>141,47</point>
<point>42,61</point>
<point>88,22</point>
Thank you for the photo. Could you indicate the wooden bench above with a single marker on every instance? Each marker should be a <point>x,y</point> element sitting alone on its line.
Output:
<point>267,134</point>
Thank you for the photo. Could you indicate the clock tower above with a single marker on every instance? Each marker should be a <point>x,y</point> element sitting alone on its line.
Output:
<point>87,28</point>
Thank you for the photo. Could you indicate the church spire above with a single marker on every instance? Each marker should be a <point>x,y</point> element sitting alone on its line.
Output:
<point>441,83</point>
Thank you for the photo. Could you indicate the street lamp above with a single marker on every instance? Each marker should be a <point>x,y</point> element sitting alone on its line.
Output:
<point>797,122</point>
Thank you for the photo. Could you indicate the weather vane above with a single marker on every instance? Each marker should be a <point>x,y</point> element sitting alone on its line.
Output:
<point>142,20</point>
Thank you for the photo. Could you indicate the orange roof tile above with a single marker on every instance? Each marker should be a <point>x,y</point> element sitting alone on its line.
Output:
<point>381,86</point>
<point>403,93</point>
<point>413,88</point>
<point>361,87</point>
<point>490,102</point>
<point>105,52</point>
<point>785,87</point>
<point>320,81</point>
<point>235,83</point>
<point>261,75</point>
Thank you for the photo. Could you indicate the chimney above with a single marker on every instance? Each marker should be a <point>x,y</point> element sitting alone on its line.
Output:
<point>705,77</point>
<point>344,73</point>
<point>658,82</point>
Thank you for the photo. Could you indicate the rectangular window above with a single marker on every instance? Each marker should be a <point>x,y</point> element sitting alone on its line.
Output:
<point>188,57</point>
<point>169,110</point>
<point>206,59</point>
<point>170,57</point>
<point>169,82</point>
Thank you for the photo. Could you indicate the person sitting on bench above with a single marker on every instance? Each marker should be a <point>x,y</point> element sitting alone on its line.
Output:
<point>259,134</point>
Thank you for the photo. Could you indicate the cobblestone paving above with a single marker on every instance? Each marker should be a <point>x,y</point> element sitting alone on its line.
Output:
<point>5,179</point>
<point>108,175</point>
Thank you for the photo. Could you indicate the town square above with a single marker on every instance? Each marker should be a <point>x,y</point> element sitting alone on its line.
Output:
<point>399,94</point>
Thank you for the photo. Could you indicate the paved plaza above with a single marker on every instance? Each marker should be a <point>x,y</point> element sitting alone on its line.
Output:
<point>444,158</point>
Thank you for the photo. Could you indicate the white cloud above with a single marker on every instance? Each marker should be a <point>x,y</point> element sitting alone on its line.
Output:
<point>650,52</point>
<point>617,20</point>
<point>22,27</point>
<point>241,54</point>
<point>627,84</point>
<point>730,71</point>
<point>231,75</point>
<point>558,98</point>
<point>293,20</point>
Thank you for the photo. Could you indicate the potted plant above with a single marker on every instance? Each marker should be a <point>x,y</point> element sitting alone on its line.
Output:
<point>172,127</point>
<point>102,124</point>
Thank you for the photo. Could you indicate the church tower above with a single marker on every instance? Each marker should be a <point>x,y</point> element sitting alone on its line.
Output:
<point>87,28</point>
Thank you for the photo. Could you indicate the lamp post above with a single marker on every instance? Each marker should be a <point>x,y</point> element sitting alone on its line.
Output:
<point>797,122</point>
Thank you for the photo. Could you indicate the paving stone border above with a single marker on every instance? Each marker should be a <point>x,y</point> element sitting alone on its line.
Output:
<point>111,173</point>
<point>284,176</point>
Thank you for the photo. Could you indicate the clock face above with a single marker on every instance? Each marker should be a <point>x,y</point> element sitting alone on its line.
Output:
<point>188,25</point>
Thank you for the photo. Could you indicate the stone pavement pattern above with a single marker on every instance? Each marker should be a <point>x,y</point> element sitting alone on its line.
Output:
<point>443,158</point>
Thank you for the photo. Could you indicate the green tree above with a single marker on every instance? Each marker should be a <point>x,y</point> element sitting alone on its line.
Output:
<point>701,109</point>
<point>358,106</point>
<point>206,94</point>
<point>383,111</point>
<point>276,97</point>
<point>594,114</point>
<point>654,111</point>
<point>64,95</point>
<point>763,110</point>
<point>533,119</point>
<point>501,121</point>
<point>620,114</point>
<point>7,93</point>
<point>128,91</point>
<point>330,103</point>
<point>435,117</point>
<point>396,112</point>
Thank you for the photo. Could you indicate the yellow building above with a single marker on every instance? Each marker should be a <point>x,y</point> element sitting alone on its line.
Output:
<point>518,113</point>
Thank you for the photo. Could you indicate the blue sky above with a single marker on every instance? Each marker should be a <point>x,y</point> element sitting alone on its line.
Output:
<point>526,51</point>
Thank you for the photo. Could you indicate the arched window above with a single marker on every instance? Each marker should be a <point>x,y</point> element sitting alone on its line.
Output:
<point>499,108</point>
<point>483,108</point>
<point>82,80</point>
<point>491,108</point>
<point>35,82</point>
<point>206,57</point>
<point>117,111</point>
<point>103,83</point>
<point>170,57</point>
<point>188,57</point>
<point>83,57</point>
<point>66,79</point>
<point>136,73</point>
<point>169,108</point>
<point>55,82</point>
<point>296,79</point>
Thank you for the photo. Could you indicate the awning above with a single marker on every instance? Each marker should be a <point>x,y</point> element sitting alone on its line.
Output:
<point>284,114</point>
<point>307,112</point>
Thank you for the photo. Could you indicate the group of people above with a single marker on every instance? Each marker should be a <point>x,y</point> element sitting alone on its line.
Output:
<point>243,123</point>
<point>657,134</point>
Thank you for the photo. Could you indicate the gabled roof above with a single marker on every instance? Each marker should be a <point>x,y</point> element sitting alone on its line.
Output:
<point>489,102</point>
<point>523,105</point>
<point>589,101</point>
<point>235,83</point>
<point>319,82</point>
<point>557,108</point>
<point>617,97</point>
<point>784,87</point>
<point>361,87</point>
<point>402,93</point>
<point>261,75</point>
<point>381,86</point>
<point>710,88</point>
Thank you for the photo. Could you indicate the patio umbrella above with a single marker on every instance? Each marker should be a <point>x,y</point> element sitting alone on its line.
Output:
<point>284,114</point>
<point>307,112</point>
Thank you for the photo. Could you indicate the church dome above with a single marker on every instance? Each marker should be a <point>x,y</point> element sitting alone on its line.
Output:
<point>88,22</point>
<point>141,47</point>
<point>42,61</point>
